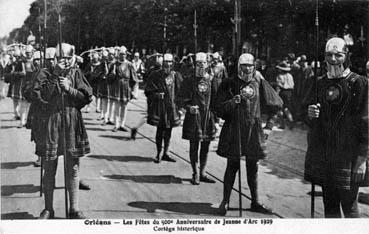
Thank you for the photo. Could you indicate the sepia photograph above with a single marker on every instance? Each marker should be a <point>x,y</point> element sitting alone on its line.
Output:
<point>198,116</point>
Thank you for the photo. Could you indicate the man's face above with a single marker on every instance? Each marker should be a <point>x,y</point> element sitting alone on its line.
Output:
<point>65,62</point>
<point>168,64</point>
<point>335,58</point>
<point>247,68</point>
<point>201,64</point>
<point>122,56</point>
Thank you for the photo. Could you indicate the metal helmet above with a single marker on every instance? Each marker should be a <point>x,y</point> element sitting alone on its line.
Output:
<point>50,53</point>
<point>168,57</point>
<point>67,50</point>
<point>122,50</point>
<point>246,58</point>
<point>111,50</point>
<point>336,45</point>
<point>201,57</point>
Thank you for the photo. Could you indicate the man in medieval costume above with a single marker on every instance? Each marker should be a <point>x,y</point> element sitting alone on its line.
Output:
<point>48,87</point>
<point>196,96</point>
<point>239,100</point>
<point>123,85</point>
<point>337,154</point>
<point>161,91</point>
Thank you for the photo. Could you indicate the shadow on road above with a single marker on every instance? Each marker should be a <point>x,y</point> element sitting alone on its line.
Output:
<point>18,215</point>
<point>121,158</point>
<point>283,172</point>
<point>123,138</point>
<point>195,208</point>
<point>90,123</point>
<point>7,127</point>
<point>155,179</point>
<point>7,190</point>
<point>95,129</point>
<point>13,165</point>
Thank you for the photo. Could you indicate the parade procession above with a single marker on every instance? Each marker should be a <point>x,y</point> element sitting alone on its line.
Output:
<point>198,109</point>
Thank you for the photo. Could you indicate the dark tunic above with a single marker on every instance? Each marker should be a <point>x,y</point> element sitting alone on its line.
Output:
<point>17,81</point>
<point>340,134</point>
<point>254,93</point>
<point>125,80</point>
<point>45,93</point>
<point>94,75</point>
<point>198,91</point>
<point>163,112</point>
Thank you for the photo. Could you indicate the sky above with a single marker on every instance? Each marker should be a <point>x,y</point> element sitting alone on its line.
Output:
<point>12,14</point>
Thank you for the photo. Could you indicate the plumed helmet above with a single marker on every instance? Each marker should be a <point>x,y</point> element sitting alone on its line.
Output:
<point>336,45</point>
<point>38,54</point>
<point>201,57</point>
<point>246,58</point>
<point>50,53</point>
<point>67,50</point>
<point>168,57</point>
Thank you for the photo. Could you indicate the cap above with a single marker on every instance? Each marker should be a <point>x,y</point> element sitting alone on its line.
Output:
<point>201,57</point>
<point>67,49</point>
<point>246,58</point>
<point>336,45</point>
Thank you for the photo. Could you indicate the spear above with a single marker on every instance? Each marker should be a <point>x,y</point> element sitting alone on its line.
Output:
<point>236,21</point>
<point>316,91</point>
<point>63,118</point>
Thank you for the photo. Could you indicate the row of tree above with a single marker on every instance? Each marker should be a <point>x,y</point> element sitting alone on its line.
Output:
<point>271,28</point>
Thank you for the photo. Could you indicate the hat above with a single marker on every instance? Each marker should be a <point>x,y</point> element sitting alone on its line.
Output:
<point>67,50</point>
<point>111,50</point>
<point>137,54</point>
<point>201,57</point>
<point>168,57</point>
<point>336,45</point>
<point>50,53</point>
<point>284,66</point>
<point>367,65</point>
<point>246,58</point>
<point>122,50</point>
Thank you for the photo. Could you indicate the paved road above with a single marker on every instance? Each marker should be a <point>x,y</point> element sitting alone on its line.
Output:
<point>127,184</point>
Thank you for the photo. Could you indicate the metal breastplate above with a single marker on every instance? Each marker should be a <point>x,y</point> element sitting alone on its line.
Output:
<point>335,96</point>
<point>250,93</point>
